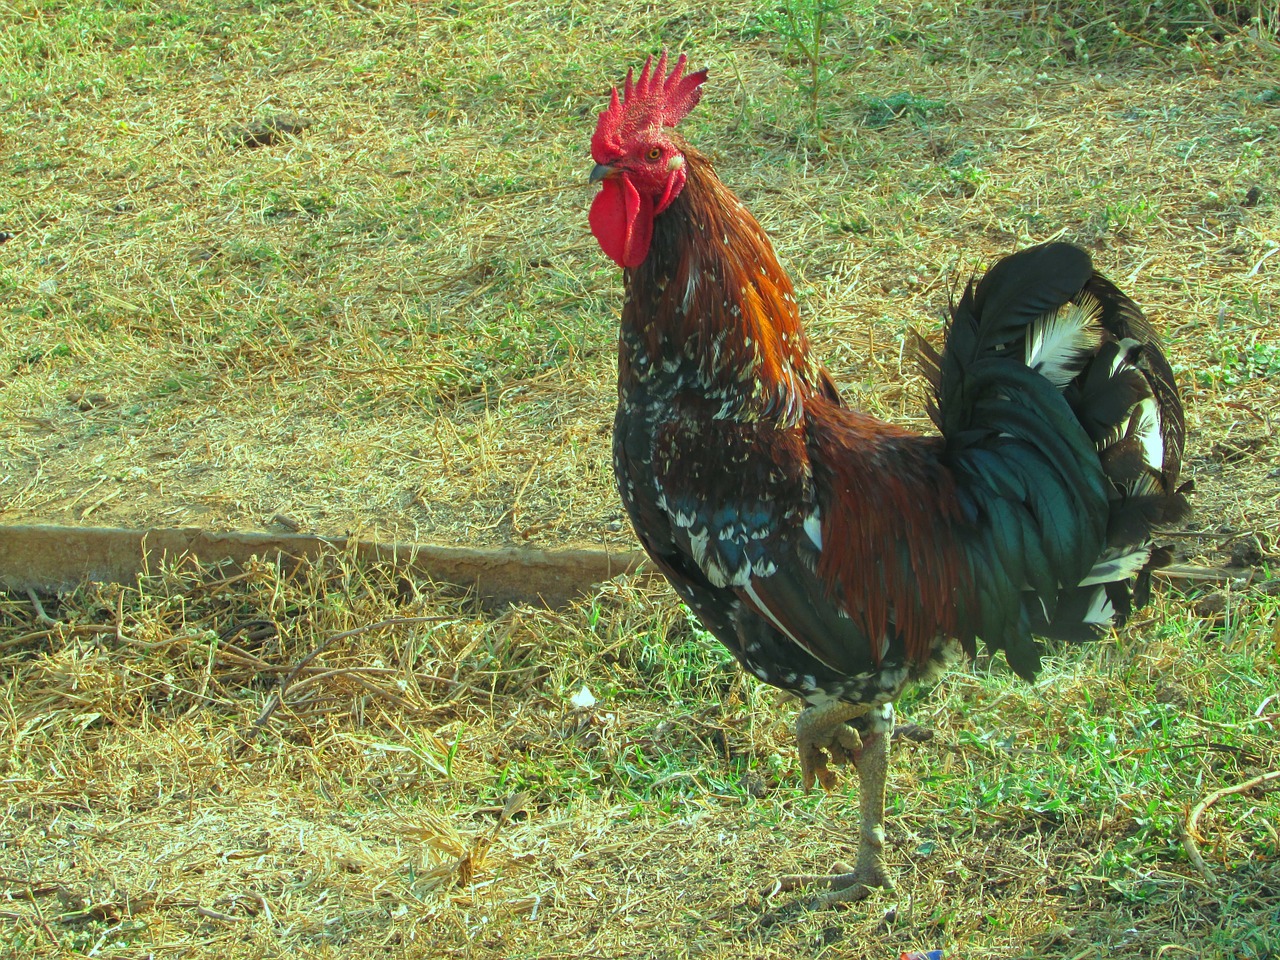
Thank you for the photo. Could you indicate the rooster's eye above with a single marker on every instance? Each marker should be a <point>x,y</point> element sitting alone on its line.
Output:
<point>654,153</point>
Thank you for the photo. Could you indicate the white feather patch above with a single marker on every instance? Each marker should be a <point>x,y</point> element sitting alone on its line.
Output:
<point>764,568</point>
<point>1112,567</point>
<point>1121,362</point>
<point>1146,420</point>
<point>690,286</point>
<point>706,561</point>
<point>813,527</point>
<point>1058,341</point>
<point>1100,612</point>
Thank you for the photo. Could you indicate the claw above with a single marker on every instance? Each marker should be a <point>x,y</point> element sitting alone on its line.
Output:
<point>813,767</point>
<point>842,747</point>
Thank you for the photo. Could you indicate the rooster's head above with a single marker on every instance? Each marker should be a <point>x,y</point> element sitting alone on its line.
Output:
<point>640,165</point>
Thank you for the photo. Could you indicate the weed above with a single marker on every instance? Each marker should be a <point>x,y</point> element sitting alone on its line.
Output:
<point>804,27</point>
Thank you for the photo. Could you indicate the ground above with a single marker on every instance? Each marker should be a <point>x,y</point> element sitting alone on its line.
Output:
<point>327,268</point>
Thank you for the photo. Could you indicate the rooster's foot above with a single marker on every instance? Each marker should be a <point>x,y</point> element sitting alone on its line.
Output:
<point>824,736</point>
<point>844,885</point>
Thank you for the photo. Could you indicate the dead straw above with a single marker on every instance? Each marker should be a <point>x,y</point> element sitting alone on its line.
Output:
<point>277,698</point>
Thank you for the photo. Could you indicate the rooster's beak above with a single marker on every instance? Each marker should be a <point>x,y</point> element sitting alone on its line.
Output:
<point>602,171</point>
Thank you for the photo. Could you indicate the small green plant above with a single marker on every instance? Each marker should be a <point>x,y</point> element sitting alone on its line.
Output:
<point>1235,355</point>
<point>1241,363</point>
<point>1122,215</point>
<point>803,26</point>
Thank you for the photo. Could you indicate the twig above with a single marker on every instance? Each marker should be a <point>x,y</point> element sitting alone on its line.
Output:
<point>214,585</point>
<point>217,915</point>
<point>41,616</point>
<point>25,638</point>
<point>239,657</point>
<point>1187,571</point>
<point>353,674</point>
<point>44,924</point>
<point>1189,828</point>
<point>99,628</point>
<point>515,504</point>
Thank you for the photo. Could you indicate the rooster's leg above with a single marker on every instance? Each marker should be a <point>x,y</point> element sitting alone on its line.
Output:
<point>825,730</point>
<point>872,764</point>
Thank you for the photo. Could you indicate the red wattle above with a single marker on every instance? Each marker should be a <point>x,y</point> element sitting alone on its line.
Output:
<point>622,221</point>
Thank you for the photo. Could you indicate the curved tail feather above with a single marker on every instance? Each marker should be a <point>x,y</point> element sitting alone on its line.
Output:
<point>1064,428</point>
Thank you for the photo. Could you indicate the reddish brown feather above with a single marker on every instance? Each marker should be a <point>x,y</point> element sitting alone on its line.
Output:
<point>887,494</point>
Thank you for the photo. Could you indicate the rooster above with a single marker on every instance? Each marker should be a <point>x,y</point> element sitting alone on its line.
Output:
<point>839,557</point>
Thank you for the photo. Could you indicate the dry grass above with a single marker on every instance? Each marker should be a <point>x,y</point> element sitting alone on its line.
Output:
<point>392,319</point>
<point>421,785</point>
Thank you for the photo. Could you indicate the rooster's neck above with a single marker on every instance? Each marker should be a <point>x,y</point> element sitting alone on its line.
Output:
<point>711,312</point>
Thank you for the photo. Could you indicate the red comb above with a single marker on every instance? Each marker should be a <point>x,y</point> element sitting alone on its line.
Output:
<point>657,99</point>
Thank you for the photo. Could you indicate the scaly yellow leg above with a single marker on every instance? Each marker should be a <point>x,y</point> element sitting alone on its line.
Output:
<point>823,731</point>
